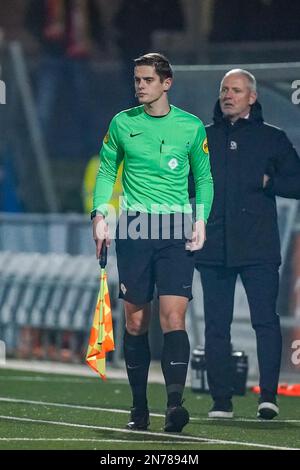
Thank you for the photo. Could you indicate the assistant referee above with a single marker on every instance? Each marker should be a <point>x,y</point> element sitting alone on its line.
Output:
<point>158,144</point>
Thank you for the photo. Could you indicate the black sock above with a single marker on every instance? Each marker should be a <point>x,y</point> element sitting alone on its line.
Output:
<point>174,363</point>
<point>137,359</point>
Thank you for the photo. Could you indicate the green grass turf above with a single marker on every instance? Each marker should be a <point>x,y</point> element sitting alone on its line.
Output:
<point>92,392</point>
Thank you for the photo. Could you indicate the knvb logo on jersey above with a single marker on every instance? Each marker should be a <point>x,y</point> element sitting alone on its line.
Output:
<point>2,92</point>
<point>173,163</point>
<point>296,93</point>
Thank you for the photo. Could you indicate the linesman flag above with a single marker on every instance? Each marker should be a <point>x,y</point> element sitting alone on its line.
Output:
<point>101,336</point>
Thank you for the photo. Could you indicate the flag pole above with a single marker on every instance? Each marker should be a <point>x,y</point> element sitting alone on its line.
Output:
<point>102,263</point>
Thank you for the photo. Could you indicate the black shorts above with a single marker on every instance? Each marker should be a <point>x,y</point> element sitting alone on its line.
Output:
<point>144,263</point>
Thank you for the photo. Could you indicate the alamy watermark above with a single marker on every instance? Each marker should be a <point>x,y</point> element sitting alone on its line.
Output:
<point>2,353</point>
<point>2,92</point>
<point>161,222</point>
<point>296,93</point>
<point>295,357</point>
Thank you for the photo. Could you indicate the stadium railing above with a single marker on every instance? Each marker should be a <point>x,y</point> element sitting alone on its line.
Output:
<point>49,283</point>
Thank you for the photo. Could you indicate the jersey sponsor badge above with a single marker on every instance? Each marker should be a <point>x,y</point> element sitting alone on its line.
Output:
<point>205,145</point>
<point>106,138</point>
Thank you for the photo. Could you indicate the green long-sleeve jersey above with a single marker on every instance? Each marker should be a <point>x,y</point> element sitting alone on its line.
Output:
<point>157,153</point>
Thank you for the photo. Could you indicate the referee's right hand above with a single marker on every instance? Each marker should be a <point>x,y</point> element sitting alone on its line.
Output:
<point>100,233</point>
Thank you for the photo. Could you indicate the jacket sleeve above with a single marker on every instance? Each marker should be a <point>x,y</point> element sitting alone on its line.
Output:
<point>285,171</point>
<point>111,156</point>
<point>200,166</point>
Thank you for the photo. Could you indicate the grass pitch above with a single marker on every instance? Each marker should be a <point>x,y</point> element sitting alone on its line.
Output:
<point>49,411</point>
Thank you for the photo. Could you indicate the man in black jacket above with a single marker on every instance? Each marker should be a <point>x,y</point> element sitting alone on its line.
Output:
<point>251,163</point>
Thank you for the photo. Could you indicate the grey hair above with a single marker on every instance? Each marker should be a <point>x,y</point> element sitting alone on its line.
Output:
<point>251,79</point>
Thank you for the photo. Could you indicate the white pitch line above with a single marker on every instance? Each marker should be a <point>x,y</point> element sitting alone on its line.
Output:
<point>72,439</point>
<point>179,438</point>
<point>39,378</point>
<point>65,405</point>
<point>104,428</point>
<point>248,420</point>
<point>110,410</point>
<point>157,415</point>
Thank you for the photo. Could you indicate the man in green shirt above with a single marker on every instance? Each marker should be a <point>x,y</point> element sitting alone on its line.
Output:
<point>158,144</point>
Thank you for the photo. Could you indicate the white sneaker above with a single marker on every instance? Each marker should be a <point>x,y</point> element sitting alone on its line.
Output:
<point>267,410</point>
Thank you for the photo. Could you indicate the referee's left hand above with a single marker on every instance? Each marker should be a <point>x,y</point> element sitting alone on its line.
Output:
<point>198,237</point>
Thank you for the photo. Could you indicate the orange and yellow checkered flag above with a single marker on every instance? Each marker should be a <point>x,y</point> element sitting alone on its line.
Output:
<point>101,336</point>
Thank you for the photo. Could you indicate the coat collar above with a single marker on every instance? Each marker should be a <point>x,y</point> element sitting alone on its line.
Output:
<point>254,116</point>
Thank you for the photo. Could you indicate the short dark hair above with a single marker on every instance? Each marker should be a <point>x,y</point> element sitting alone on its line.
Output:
<point>159,62</point>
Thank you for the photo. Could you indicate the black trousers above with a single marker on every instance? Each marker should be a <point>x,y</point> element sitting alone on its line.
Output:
<point>261,283</point>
